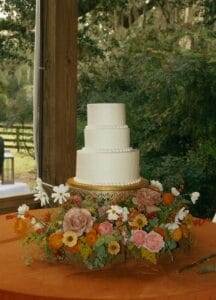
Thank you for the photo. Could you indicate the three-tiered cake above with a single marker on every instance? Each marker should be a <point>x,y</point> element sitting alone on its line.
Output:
<point>107,158</point>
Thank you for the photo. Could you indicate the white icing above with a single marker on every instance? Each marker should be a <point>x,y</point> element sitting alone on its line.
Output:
<point>109,168</point>
<point>107,158</point>
<point>107,138</point>
<point>106,114</point>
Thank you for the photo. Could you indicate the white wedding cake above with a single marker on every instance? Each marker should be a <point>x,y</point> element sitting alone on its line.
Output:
<point>107,158</point>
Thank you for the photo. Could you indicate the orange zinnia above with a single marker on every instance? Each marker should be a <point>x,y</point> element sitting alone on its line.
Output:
<point>74,249</point>
<point>55,240</point>
<point>161,231</point>
<point>91,237</point>
<point>168,199</point>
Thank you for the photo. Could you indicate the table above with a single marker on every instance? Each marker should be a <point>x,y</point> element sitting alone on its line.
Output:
<point>18,188</point>
<point>128,281</point>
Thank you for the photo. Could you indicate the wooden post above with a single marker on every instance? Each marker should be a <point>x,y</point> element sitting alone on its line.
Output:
<point>57,154</point>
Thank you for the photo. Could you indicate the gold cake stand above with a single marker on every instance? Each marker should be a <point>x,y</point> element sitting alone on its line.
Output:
<point>109,191</point>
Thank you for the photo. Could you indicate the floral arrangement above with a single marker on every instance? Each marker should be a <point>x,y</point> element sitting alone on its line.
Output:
<point>98,230</point>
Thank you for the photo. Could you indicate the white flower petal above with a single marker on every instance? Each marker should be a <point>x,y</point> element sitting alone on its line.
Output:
<point>194,197</point>
<point>175,192</point>
<point>157,184</point>
<point>214,219</point>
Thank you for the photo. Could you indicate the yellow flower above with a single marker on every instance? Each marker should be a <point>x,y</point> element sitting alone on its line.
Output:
<point>149,255</point>
<point>113,248</point>
<point>70,238</point>
<point>139,221</point>
<point>177,234</point>
<point>85,251</point>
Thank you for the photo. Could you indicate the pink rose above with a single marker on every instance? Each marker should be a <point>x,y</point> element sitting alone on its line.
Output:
<point>78,220</point>
<point>153,242</point>
<point>148,199</point>
<point>138,237</point>
<point>105,228</point>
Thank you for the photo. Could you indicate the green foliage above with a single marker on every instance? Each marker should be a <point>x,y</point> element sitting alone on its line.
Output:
<point>170,95</point>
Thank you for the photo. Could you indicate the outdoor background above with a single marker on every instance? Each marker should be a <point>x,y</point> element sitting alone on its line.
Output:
<point>156,56</point>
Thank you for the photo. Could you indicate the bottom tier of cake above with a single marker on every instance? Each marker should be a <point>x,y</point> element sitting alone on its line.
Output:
<point>108,168</point>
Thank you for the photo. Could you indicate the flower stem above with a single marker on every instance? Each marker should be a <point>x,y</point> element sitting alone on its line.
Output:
<point>198,262</point>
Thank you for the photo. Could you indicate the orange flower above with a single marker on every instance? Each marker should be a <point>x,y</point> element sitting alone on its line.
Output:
<point>91,237</point>
<point>161,231</point>
<point>168,199</point>
<point>74,249</point>
<point>20,226</point>
<point>177,234</point>
<point>55,240</point>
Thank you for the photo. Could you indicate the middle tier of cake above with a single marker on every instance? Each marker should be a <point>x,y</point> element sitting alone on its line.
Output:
<point>107,138</point>
<point>107,168</point>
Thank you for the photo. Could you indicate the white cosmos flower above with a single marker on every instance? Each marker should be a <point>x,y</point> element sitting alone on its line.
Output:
<point>182,213</point>
<point>60,194</point>
<point>125,213</point>
<point>175,192</point>
<point>22,209</point>
<point>157,184</point>
<point>172,226</point>
<point>114,212</point>
<point>42,196</point>
<point>194,197</point>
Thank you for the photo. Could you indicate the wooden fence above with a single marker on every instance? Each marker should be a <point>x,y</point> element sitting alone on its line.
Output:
<point>17,136</point>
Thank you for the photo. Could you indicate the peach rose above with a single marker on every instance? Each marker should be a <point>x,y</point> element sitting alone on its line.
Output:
<point>138,237</point>
<point>78,220</point>
<point>153,242</point>
<point>105,228</point>
<point>148,199</point>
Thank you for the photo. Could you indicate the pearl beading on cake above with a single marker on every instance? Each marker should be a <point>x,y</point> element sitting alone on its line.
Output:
<point>109,183</point>
<point>110,150</point>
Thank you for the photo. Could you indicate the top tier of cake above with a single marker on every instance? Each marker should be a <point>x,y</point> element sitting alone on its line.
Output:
<point>106,114</point>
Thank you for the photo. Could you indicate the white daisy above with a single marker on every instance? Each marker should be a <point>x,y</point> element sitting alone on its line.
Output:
<point>194,197</point>
<point>114,212</point>
<point>22,209</point>
<point>175,192</point>
<point>157,184</point>
<point>60,194</point>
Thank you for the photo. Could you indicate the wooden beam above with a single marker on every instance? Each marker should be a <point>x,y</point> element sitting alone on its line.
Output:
<point>59,83</point>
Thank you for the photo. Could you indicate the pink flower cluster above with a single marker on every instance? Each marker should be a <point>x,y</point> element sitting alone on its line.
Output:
<point>152,241</point>
<point>78,220</point>
<point>148,199</point>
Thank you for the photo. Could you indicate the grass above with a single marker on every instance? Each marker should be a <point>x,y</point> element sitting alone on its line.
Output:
<point>25,168</point>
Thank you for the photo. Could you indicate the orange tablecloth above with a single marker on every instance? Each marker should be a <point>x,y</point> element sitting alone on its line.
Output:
<point>131,280</point>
